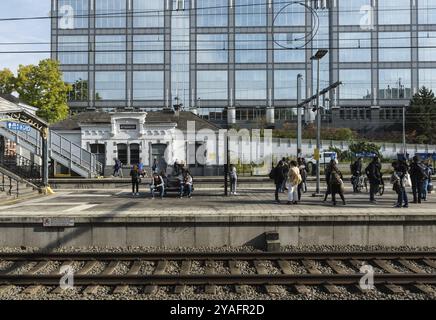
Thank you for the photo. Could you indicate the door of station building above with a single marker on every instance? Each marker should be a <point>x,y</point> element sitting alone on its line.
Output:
<point>158,153</point>
<point>99,150</point>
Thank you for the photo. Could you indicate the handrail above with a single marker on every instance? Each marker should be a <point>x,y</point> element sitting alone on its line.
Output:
<point>16,178</point>
<point>23,167</point>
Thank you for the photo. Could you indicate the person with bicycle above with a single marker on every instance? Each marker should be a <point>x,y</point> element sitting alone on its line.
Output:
<point>356,173</point>
<point>373,172</point>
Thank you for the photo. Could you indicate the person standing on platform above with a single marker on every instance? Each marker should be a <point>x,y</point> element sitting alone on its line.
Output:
<point>303,173</point>
<point>118,168</point>
<point>336,182</point>
<point>134,174</point>
<point>277,174</point>
<point>233,179</point>
<point>327,173</point>
<point>427,181</point>
<point>373,172</point>
<point>294,180</point>
<point>418,175</point>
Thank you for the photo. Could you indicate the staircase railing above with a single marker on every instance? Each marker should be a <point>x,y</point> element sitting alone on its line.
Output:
<point>22,167</point>
<point>10,182</point>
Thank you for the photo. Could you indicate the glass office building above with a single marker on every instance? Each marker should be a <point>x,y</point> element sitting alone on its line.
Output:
<point>243,56</point>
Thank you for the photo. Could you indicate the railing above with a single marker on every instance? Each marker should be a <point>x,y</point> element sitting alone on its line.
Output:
<point>22,167</point>
<point>75,153</point>
<point>10,182</point>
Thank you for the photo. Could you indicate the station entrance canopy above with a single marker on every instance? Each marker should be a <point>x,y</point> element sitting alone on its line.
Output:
<point>16,113</point>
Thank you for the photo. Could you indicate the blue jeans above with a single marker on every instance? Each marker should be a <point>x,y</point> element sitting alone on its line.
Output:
<point>402,197</point>
<point>160,189</point>
<point>183,187</point>
<point>424,189</point>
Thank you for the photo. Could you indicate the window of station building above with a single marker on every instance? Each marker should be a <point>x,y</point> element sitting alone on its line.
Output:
<point>427,11</point>
<point>395,84</point>
<point>292,15</point>
<point>289,48</point>
<point>148,13</point>
<point>250,84</point>
<point>393,12</point>
<point>212,48</point>
<point>79,85</point>
<point>350,11</point>
<point>427,78</point>
<point>285,84</point>
<point>135,151</point>
<point>110,85</point>
<point>73,49</point>
<point>356,84</point>
<point>73,14</point>
<point>148,49</point>
<point>355,47</point>
<point>110,49</point>
<point>250,48</point>
<point>148,85</point>
<point>110,13</point>
<point>394,46</point>
<point>427,46</point>
<point>250,13</point>
<point>212,13</point>
<point>212,85</point>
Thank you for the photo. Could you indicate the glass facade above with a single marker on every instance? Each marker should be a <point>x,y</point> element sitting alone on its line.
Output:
<point>244,53</point>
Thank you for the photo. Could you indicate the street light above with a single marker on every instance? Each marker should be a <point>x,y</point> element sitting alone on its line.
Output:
<point>318,56</point>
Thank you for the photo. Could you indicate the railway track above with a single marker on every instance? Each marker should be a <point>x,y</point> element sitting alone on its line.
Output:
<point>394,272</point>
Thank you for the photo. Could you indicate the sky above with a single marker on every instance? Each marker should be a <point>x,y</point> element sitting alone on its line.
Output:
<point>23,31</point>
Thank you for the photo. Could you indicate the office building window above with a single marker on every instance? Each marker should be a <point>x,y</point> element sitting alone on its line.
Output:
<point>427,78</point>
<point>110,13</point>
<point>79,85</point>
<point>395,84</point>
<point>250,84</point>
<point>394,46</point>
<point>148,13</point>
<point>148,49</point>
<point>73,49</point>
<point>250,48</point>
<point>212,48</point>
<point>355,47</point>
<point>427,11</point>
<point>148,85</point>
<point>356,84</point>
<point>212,13</point>
<point>393,12</point>
<point>293,15</point>
<point>427,46</point>
<point>289,47</point>
<point>285,84</point>
<point>350,12</point>
<point>110,49</point>
<point>73,14</point>
<point>110,85</point>
<point>250,13</point>
<point>212,85</point>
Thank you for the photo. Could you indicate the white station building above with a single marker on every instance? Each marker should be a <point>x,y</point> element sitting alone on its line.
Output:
<point>138,137</point>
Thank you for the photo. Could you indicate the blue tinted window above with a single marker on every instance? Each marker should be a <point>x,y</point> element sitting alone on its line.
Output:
<point>250,13</point>
<point>110,85</point>
<point>110,49</point>
<point>285,84</point>
<point>250,84</point>
<point>212,13</point>
<point>212,85</point>
<point>355,47</point>
<point>356,84</point>
<point>394,12</point>
<point>394,46</point>
<point>427,46</point>
<point>73,9</point>
<point>110,13</point>
<point>73,49</point>
<point>250,48</point>
<point>148,85</point>
<point>148,13</point>
<point>148,49</point>
<point>395,84</point>
<point>212,48</point>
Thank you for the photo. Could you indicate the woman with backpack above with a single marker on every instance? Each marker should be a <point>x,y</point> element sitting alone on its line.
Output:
<point>400,179</point>
<point>335,180</point>
<point>135,174</point>
<point>294,180</point>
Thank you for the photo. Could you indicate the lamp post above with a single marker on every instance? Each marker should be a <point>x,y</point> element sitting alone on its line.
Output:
<point>299,124</point>
<point>404,133</point>
<point>318,56</point>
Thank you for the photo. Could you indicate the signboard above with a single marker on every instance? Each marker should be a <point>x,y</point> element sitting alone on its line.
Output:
<point>15,126</point>
<point>426,156</point>
<point>316,155</point>
<point>58,222</point>
<point>127,126</point>
<point>366,155</point>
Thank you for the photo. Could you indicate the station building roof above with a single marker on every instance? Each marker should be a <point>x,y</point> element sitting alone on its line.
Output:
<point>153,118</point>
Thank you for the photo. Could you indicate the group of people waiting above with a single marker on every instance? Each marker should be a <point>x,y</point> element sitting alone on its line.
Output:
<point>290,176</point>
<point>160,181</point>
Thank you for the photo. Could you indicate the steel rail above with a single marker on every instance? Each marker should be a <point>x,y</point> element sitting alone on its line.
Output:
<point>252,279</point>
<point>246,256</point>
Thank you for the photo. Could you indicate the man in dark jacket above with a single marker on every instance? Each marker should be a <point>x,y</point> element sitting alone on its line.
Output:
<point>373,172</point>
<point>279,177</point>
<point>417,175</point>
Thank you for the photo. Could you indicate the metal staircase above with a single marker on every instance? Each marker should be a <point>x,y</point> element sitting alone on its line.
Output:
<point>61,150</point>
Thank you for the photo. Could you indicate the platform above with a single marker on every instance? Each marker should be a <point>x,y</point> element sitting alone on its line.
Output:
<point>114,218</point>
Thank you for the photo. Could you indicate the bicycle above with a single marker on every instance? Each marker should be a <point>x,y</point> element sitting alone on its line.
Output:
<point>359,183</point>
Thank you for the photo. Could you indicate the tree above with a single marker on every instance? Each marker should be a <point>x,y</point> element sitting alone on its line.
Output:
<point>421,116</point>
<point>7,81</point>
<point>365,147</point>
<point>42,86</point>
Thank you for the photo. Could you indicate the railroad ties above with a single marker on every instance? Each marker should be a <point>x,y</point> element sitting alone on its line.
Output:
<point>395,274</point>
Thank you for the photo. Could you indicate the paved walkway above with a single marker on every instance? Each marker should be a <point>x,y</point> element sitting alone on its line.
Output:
<point>120,203</point>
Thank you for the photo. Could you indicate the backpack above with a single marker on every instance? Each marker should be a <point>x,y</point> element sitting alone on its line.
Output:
<point>422,172</point>
<point>272,174</point>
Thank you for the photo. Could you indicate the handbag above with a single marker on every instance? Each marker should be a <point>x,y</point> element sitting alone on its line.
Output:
<point>407,181</point>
